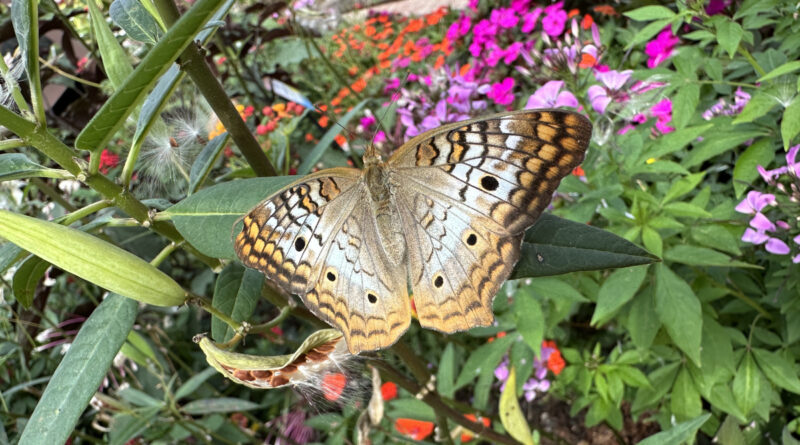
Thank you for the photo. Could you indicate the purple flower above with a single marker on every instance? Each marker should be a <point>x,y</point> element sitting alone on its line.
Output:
<point>777,247</point>
<point>796,259</point>
<point>661,48</point>
<point>459,28</point>
<point>602,95</point>
<point>551,96</point>
<point>501,372</point>
<point>554,20</point>
<point>391,85</point>
<point>753,237</point>
<point>754,202</point>
<point>501,91</point>
<point>367,121</point>
<point>663,113</point>
<point>504,17</point>
<point>716,6</point>
<point>520,6</point>
<point>532,385</point>
<point>791,167</point>
<point>530,19</point>
<point>762,223</point>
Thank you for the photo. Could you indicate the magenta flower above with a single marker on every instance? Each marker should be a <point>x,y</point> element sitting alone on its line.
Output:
<point>504,17</point>
<point>753,237</point>
<point>551,96</point>
<point>520,6</point>
<point>554,19</point>
<point>661,48</point>
<point>754,202</point>
<point>501,91</point>
<point>776,247</point>
<point>530,19</point>
<point>762,223</point>
<point>663,113</point>
<point>716,6</point>
<point>796,259</point>
<point>612,82</point>
<point>459,28</point>
<point>792,166</point>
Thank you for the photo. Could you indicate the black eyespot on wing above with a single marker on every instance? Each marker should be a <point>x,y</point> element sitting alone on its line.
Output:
<point>299,244</point>
<point>489,183</point>
<point>438,281</point>
<point>372,298</point>
<point>472,239</point>
<point>330,276</point>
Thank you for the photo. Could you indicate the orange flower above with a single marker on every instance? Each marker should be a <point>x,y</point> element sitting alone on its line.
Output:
<point>309,137</point>
<point>336,101</point>
<point>555,362</point>
<point>578,171</point>
<point>587,21</point>
<point>464,70</point>
<point>353,70</point>
<point>605,9</point>
<point>389,391</point>
<point>434,17</point>
<point>413,428</point>
<point>439,62</point>
<point>587,61</point>
<point>333,384</point>
<point>572,13</point>
<point>385,64</point>
<point>414,25</point>
<point>341,140</point>
<point>467,435</point>
<point>323,121</point>
<point>370,31</point>
<point>359,85</point>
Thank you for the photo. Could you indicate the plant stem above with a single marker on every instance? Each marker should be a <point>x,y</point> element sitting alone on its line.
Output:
<point>10,144</point>
<point>205,304</point>
<point>193,63</point>
<point>165,252</point>
<point>68,75</point>
<point>84,212</point>
<point>744,52</point>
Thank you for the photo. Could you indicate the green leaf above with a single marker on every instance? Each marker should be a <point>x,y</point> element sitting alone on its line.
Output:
<point>135,20</point>
<point>685,400</point>
<point>673,142</point>
<point>715,236</point>
<point>129,95</point>
<point>647,13</point>
<point>206,218</point>
<point>149,115</point>
<point>686,210</point>
<point>745,171</point>
<point>703,256</point>
<point>747,384</point>
<point>648,32</point>
<point>617,290</point>
<point>92,259</point>
<point>759,105</point>
<point>412,408</point>
<point>717,144</point>
<point>678,434</point>
<point>80,372</point>
<point>25,21</point>
<point>786,68</point>
<point>445,376</point>
<point>205,161</point>
<point>652,240</point>
<point>729,433</point>
<point>684,104</point>
<point>18,166</point>
<point>138,349</point>
<point>790,122</point>
<point>26,278</point>
<point>682,186</point>
<point>721,397</point>
<point>10,253</point>
<point>326,140</point>
<point>659,166</point>
<point>510,413</point>
<point>530,319</point>
<point>483,359</point>
<point>778,370</point>
<point>729,34</point>
<point>115,60</point>
<point>236,294</point>
<point>556,289</point>
<point>125,427</point>
<point>661,380</point>
<point>555,246</point>
<point>194,382</point>
<point>217,405</point>
<point>642,322</point>
<point>679,311</point>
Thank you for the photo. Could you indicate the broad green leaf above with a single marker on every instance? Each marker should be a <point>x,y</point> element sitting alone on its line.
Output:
<point>554,288</point>
<point>745,171</point>
<point>790,122</point>
<point>679,311</point>
<point>703,256</point>
<point>530,319</point>
<point>194,382</point>
<point>92,259</point>
<point>138,349</point>
<point>135,20</point>
<point>721,397</point>
<point>678,434</point>
<point>661,381</point>
<point>684,399</point>
<point>718,144</point>
<point>715,236</point>
<point>327,139</point>
<point>682,186</point>
<point>555,246</point>
<point>411,408</point>
<point>729,34</point>
<point>139,398</point>
<point>684,104</point>
<point>778,369</point>
<point>206,218</point>
<point>617,290</point>
<point>155,102</point>
<point>747,384</point>
<point>786,68</point>
<point>686,210</point>
<point>642,321</point>
<point>659,166</point>
<point>217,405</point>
<point>729,433</point>
<point>80,372</point>
<point>511,414</point>
<point>445,376</point>
<point>125,427</point>
<point>787,438</point>
<point>647,13</point>
<point>26,278</point>
<point>116,63</point>
<point>236,294</point>
<point>483,359</point>
<point>652,240</point>
<point>648,32</point>
<point>10,253</point>
<point>673,142</point>
<point>129,95</point>
<point>205,161</point>
<point>18,166</point>
<point>759,105</point>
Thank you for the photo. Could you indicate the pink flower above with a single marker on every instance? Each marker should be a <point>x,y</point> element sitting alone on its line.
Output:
<point>520,6</point>
<point>663,113</point>
<point>792,167</point>
<point>762,223</point>
<point>612,83</point>
<point>501,91</point>
<point>661,48</point>
<point>551,96</point>
<point>753,237</point>
<point>554,20</point>
<point>504,17</point>
<point>459,28</point>
<point>776,246</point>
<point>529,20</point>
<point>754,202</point>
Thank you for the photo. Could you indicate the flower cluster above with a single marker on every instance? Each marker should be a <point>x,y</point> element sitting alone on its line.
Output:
<point>774,233</point>
<point>723,108</point>
<point>550,359</point>
<point>662,48</point>
<point>275,113</point>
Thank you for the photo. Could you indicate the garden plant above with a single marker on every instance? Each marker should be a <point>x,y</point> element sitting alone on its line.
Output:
<point>656,301</point>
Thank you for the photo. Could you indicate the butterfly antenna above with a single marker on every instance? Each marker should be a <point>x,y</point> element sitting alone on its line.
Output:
<point>392,99</point>
<point>332,118</point>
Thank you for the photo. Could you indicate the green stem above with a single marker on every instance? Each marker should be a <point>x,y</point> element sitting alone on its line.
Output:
<point>84,212</point>
<point>744,52</point>
<point>264,327</point>
<point>16,93</point>
<point>205,304</point>
<point>193,63</point>
<point>10,144</point>
<point>165,252</point>
<point>130,162</point>
<point>68,75</point>
<point>32,61</point>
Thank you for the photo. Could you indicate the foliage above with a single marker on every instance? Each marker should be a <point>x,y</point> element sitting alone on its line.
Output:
<point>132,181</point>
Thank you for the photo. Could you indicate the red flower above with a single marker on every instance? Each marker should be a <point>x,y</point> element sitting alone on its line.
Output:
<point>108,160</point>
<point>333,384</point>
<point>467,435</point>
<point>388,391</point>
<point>261,129</point>
<point>413,428</point>
<point>555,362</point>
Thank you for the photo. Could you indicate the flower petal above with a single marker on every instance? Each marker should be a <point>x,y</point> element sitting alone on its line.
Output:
<point>777,247</point>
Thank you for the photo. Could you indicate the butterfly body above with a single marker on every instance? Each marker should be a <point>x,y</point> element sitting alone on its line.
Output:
<point>444,215</point>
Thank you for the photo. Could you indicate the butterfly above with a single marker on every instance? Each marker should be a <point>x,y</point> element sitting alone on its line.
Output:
<point>444,215</point>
